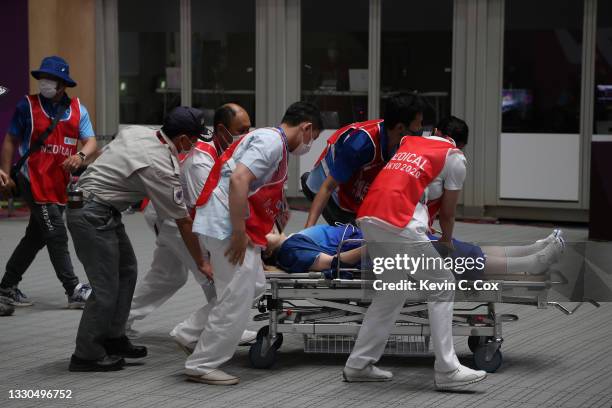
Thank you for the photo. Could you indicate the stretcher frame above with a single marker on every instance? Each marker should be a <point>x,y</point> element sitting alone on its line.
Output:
<point>336,308</point>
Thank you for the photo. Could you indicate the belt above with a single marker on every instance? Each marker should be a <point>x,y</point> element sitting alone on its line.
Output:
<point>89,196</point>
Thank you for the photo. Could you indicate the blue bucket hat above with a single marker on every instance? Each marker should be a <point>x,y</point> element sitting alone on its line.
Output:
<point>56,66</point>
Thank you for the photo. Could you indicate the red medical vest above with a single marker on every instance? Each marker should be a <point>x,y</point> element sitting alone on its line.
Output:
<point>47,178</point>
<point>264,204</point>
<point>210,149</point>
<point>400,185</point>
<point>351,193</point>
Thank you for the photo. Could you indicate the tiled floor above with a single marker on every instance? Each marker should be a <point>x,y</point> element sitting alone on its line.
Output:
<point>550,360</point>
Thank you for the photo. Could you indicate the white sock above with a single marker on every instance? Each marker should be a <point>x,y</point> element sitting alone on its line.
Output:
<point>525,265</point>
<point>524,250</point>
<point>537,263</point>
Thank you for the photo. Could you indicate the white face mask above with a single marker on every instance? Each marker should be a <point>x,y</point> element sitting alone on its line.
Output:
<point>303,148</point>
<point>234,137</point>
<point>181,145</point>
<point>48,88</point>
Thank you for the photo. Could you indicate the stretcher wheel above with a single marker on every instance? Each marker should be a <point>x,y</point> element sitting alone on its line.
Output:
<point>263,332</point>
<point>262,361</point>
<point>474,342</point>
<point>489,366</point>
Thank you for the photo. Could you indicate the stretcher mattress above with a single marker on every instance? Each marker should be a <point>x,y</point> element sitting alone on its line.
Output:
<point>273,272</point>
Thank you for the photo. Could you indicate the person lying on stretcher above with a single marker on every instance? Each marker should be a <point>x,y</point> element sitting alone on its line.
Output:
<point>316,249</point>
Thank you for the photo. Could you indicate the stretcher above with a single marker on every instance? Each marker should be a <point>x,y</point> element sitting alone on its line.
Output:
<point>328,314</point>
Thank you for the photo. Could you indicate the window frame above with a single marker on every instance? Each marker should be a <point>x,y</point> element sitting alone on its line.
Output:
<point>478,30</point>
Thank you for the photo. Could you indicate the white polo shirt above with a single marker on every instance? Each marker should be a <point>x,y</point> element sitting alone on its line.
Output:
<point>261,152</point>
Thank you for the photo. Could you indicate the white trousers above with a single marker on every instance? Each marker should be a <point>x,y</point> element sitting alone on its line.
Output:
<point>168,273</point>
<point>224,319</point>
<point>386,305</point>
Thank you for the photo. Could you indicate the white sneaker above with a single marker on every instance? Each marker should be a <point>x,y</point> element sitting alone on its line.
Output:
<point>248,336</point>
<point>215,377</point>
<point>556,235</point>
<point>559,238</point>
<point>460,377</point>
<point>369,374</point>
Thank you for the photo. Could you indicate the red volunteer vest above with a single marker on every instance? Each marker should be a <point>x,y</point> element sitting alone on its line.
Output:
<point>397,190</point>
<point>351,193</point>
<point>207,148</point>
<point>200,146</point>
<point>213,152</point>
<point>47,178</point>
<point>264,204</point>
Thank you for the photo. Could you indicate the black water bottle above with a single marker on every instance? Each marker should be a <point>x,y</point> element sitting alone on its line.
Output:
<point>75,195</point>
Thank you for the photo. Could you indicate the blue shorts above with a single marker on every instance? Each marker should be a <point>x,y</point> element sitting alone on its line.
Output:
<point>462,250</point>
<point>299,252</point>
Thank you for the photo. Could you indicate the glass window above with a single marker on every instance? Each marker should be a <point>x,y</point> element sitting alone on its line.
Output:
<point>335,59</point>
<point>149,60</point>
<point>223,54</point>
<point>542,63</point>
<point>417,52</point>
<point>603,70</point>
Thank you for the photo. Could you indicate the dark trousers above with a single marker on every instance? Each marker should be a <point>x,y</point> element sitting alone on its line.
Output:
<point>45,228</point>
<point>332,213</point>
<point>110,264</point>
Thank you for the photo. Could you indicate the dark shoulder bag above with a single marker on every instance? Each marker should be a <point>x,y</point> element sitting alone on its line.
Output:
<point>37,145</point>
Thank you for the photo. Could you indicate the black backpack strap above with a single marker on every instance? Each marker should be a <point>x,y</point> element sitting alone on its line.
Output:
<point>41,140</point>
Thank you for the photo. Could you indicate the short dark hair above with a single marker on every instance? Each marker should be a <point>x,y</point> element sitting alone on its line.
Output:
<point>270,259</point>
<point>300,112</point>
<point>454,128</point>
<point>224,115</point>
<point>403,108</point>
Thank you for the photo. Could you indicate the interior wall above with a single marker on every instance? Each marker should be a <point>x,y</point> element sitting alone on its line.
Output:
<point>13,77</point>
<point>66,28</point>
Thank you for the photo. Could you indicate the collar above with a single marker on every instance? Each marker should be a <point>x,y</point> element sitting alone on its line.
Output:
<point>443,139</point>
<point>166,141</point>
<point>50,107</point>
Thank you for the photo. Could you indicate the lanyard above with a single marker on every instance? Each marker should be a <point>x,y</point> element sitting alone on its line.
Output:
<point>282,132</point>
<point>161,138</point>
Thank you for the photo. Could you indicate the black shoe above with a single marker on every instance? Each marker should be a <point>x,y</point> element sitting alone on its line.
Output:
<point>123,347</point>
<point>108,363</point>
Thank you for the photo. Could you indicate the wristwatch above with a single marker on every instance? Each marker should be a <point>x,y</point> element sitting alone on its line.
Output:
<point>82,155</point>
